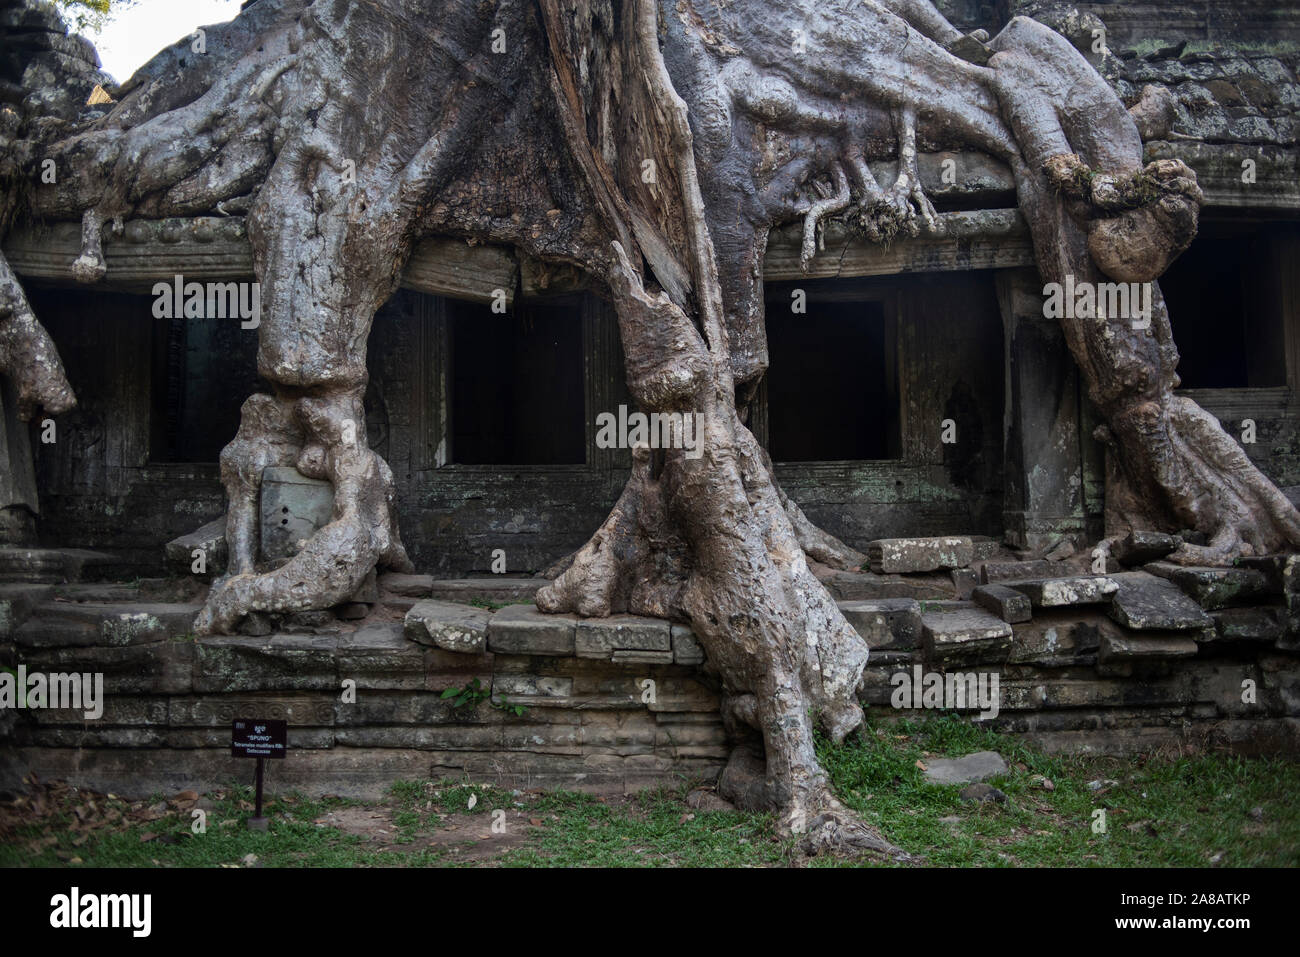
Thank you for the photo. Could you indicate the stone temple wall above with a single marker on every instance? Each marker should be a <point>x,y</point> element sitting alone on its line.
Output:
<point>1150,656</point>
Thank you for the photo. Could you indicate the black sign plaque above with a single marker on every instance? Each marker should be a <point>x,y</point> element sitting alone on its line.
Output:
<point>259,738</point>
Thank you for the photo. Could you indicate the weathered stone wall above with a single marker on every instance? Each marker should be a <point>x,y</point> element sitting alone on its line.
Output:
<point>1149,656</point>
<point>105,484</point>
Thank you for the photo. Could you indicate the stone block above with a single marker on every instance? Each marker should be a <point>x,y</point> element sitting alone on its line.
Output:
<point>448,625</point>
<point>886,623</point>
<point>993,572</point>
<point>378,655</point>
<point>641,657</point>
<point>1007,603</point>
<point>1060,639</point>
<point>1063,592</point>
<point>493,588</point>
<point>687,649</point>
<point>1147,603</point>
<point>410,586</point>
<point>274,663</point>
<point>17,600</point>
<point>1249,624</point>
<point>1122,647</point>
<point>893,555</point>
<point>523,630</point>
<point>601,637</point>
<point>548,686</point>
<point>964,581</point>
<point>965,770</point>
<point>962,633</point>
<point>293,508</point>
<point>1214,588</point>
<point>210,540</point>
<point>1140,547</point>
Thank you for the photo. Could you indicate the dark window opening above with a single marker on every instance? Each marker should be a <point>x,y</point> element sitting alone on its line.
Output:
<point>203,370</point>
<point>832,386</point>
<point>517,395</point>
<point>1226,306</point>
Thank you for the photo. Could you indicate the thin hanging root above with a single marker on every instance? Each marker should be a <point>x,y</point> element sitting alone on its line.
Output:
<point>907,194</point>
<point>90,266</point>
<point>818,211</point>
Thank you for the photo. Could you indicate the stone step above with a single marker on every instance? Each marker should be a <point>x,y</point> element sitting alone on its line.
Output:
<point>53,565</point>
<point>957,632</point>
<point>994,572</point>
<point>65,624</point>
<point>1144,602</point>
<point>892,624</point>
<point>895,555</point>
<point>17,601</point>
<point>448,625</point>
<point>1064,592</point>
<point>493,589</point>
<point>868,586</point>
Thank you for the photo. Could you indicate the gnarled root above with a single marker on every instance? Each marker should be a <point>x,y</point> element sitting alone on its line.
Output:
<point>711,541</point>
<point>1180,453</point>
<point>1137,223</point>
<point>327,434</point>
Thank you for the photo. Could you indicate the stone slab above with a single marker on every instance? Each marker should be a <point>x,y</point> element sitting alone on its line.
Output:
<point>895,555</point>
<point>1065,592</point>
<point>210,540</point>
<point>993,572</point>
<point>408,586</point>
<point>293,508</point>
<point>600,637</point>
<point>965,770</point>
<point>1266,623</point>
<point>523,630</point>
<point>448,625</point>
<point>1214,588</point>
<point>885,623</point>
<point>486,589</point>
<point>962,633</point>
<point>1145,602</point>
<point>1122,647</point>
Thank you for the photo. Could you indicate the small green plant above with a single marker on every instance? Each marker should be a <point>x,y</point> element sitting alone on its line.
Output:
<point>474,692</point>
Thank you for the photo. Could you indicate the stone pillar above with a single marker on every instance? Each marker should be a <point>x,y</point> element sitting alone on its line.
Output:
<point>18,503</point>
<point>1042,463</point>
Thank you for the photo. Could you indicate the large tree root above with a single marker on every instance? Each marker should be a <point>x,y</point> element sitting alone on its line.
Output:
<point>324,437</point>
<point>713,544</point>
<point>1097,214</point>
<point>27,354</point>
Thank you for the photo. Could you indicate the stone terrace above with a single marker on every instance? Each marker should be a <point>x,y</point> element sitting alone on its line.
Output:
<point>1147,655</point>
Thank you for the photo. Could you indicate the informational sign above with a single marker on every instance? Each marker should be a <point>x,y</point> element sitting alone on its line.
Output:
<point>259,738</point>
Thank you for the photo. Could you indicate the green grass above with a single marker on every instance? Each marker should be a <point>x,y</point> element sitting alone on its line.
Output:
<point>1160,812</point>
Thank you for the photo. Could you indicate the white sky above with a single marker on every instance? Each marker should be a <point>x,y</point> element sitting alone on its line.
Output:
<point>134,35</point>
